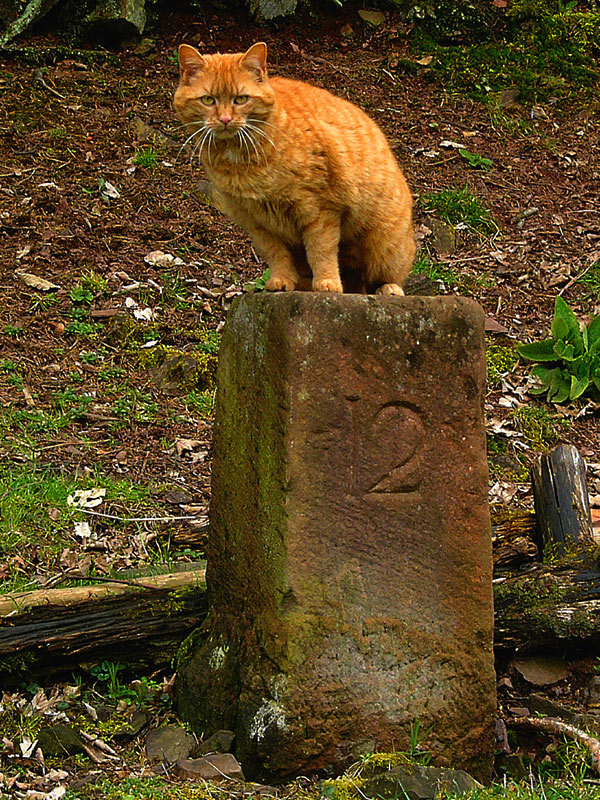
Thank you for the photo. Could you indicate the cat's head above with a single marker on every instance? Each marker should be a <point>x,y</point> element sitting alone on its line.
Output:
<point>223,92</point>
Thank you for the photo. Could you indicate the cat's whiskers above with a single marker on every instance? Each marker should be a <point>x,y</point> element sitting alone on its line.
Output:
<point>242,135</point>
<point>249,138</point>
<point>188,140</point>
<point>260,132</point>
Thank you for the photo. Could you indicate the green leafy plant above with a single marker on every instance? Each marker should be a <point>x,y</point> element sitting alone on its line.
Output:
<point>79,294</point>
<point>476,161</point>
<point>258,284</point>
<point>145,157</point>
<point>569,361</point>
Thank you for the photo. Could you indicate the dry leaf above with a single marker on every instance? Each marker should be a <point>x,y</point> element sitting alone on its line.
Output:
<point>41,284</point>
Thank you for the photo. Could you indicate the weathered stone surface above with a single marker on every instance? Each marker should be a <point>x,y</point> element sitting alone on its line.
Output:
<point>60,740</point>
<point>418,783</point>
<point>350,552</point>
<point>119,19</point>
<point>210,768</point>
<point>169,744</point>
<point>219,742</point>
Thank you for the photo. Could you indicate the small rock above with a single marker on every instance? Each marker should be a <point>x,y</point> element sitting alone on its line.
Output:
<point>169,744</point>
<point>210,768</point>
<point>592,693</point>
<point>508,98</point>
<point>374,18</point>
<point>219,742</point>
<point>176,497</point>
<point>118,20</point>
<point>60,740</point>
<point>135,725</point>
<point>418,783</point>
<point>443,237</point>
<point>541,670</point>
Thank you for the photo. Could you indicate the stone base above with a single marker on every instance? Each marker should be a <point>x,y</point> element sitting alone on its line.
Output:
<point>349,570</point>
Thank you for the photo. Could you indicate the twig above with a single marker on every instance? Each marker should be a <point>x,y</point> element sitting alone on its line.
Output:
<point>557,727</point>
<point>37,73</point>
<point>575,279</point>
<point>135,519</point>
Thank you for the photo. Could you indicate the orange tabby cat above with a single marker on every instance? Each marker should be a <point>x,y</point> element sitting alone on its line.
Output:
<point>309,176</point>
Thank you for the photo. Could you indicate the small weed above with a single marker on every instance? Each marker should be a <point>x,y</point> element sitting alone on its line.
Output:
<point>79,294</point>
<point>84,330</point>
<point>202,403</point>
<point>136,406</point>
<point>475,161</point>
<point>90,357</point>
<point>58,133</point>
<point>460,207</point>
<point>435,269</point>
<point>146,157</point>
<point>591,281</point>
<point>42,302</point>
<point>95,283</point>
<point>13,330</point>
<point>258,284</point>
<point>109,373</point>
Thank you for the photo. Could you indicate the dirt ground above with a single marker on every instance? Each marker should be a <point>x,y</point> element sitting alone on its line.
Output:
<point>93,179</point>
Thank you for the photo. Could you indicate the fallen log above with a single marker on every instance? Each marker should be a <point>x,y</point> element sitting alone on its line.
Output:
<point>140,623</point>
<point>547,608</point>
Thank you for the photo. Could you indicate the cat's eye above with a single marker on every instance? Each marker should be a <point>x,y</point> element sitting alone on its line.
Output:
<point>240,99</point>
<point>207,100</point>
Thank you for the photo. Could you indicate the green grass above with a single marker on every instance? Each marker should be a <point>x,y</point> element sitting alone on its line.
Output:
<point>36,521</point>
<point>590,280</point>
<point>435,270</point>
<point>146,157</point>
<point>460,207</point>
<point>548,52</point>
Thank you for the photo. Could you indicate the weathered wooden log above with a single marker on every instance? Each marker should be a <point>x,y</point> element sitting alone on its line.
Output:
<point>560,494</point>
<point>547,609</point>
<point>140,623</point>
<point>513,536</point>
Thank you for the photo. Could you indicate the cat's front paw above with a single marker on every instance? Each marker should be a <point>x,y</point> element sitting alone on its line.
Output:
<point>390,288</point>
<point>327,285</point>
<point>280,285</point>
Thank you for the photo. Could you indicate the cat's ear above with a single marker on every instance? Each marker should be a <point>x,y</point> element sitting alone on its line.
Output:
<point>190,61</point>
<point>255,59</point>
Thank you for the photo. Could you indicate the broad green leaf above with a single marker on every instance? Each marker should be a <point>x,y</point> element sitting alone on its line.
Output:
<point>538,351</point>
<point>562,391</point>
<point>545,374</point>
<point>566,326</point>
<point>578,387</point>
<point>565,350</point>
<point>593,332</point>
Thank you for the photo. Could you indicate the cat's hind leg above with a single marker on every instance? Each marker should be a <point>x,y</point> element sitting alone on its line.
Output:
<point>388,253</point>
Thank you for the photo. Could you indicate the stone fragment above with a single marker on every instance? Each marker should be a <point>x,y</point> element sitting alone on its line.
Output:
<point>416,782</point>
<point>118,19</point>
<point>219,742</point>
<point>60,740</point>
<point>210,768</point>
<point>169,744</point>
<point>349,562</point>
<point>541,670</point>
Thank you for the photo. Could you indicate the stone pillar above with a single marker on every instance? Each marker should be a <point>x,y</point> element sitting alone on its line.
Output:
<point>349,570</point>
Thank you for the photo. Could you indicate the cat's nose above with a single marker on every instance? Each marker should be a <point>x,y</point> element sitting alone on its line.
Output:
<point>225,119</point>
